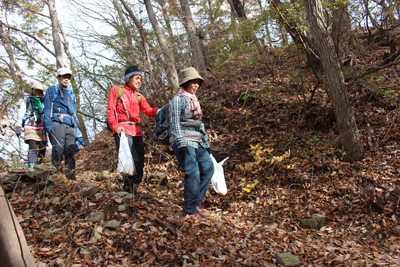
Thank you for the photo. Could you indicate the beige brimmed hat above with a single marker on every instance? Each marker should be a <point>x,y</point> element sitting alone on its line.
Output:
<point>189,74</point>
<point>63,71</point>
<point>37,86</point>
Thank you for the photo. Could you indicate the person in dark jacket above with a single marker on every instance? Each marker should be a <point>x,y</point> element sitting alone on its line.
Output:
<point>60,121</point>
<point>124,117</point>
<point>30,118</point>
<point>190,144</point>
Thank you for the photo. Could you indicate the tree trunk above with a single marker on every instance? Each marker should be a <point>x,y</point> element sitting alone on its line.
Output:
<point>239,8</point>
<point>172,73</point>
<point>14,252</point>
<point>298,37</point>
<point>128,49</point>
<point>349,135</point>
<point>193,39</point>
<point>149,67</point>
<point>56,36</point>
<point>14,68</point>
<point>341,27</point>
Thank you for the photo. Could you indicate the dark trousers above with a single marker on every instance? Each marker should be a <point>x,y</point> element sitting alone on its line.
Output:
<point>137,149</point>
<point>32,148</point>
<point>62,139</point>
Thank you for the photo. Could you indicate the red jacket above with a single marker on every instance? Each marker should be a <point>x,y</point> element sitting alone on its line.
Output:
<point>130,99</point>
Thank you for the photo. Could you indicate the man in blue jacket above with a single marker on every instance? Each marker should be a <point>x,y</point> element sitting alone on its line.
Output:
<point>60,121</point>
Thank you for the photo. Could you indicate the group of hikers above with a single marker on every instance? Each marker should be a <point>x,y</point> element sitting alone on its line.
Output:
<point>53,111</point>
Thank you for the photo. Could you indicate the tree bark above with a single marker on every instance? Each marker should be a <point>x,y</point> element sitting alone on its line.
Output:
<point>172,74</point>
<point>193,39</point>
<point>14,251</point>
<point>298,37</point>
<point>239,8</point>
<point>149,67</point>
<point>349,135</point>
<point>14,68</point>
<point>128,49</point>
<point>56,33</point>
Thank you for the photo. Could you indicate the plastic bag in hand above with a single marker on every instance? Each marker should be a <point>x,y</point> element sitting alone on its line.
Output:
<point>218,179</point>
<point>126,166</point>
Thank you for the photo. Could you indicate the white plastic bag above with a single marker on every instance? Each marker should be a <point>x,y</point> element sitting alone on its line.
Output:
<point>218,179</point>
<point>126,166</point>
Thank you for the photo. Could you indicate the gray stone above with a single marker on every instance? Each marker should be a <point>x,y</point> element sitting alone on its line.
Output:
<point>110,209</point>
<point>57,178</point>
<point>287,259</point>
<point>98,196</point>
<point>90,191</point>
<point>158,179</point>
<point>86,250</point>
<point>318,217</point>
<point>41,171</point>
<point>97,217</point>
<point>121,208</point>
<point>96,234</point>
<point>113,224</point>
<point>129,196</point>
<point>47,233</point>
<point>56,200</point>
<point>316,222</point>
<point>122,193</point>
<point>104,175</point>
<point>108,185</point>
<point>27,212</point>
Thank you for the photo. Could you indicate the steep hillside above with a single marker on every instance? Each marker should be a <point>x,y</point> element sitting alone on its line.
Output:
<point>285,164</point>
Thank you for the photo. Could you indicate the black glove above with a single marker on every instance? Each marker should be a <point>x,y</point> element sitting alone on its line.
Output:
<point>209,150</point>
<point>18,130</point>
<point>182,152</point>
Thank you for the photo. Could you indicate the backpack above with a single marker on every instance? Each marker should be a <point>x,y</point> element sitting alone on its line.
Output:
<point>120,92</point>
<point>33,114</point>
<point>161,131</point>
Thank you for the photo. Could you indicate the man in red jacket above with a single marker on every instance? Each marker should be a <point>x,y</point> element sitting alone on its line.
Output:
<point>124,117</point>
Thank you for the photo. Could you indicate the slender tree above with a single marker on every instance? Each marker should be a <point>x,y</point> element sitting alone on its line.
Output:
<point>55,27</point>
<point>349,135</point>
<point>148,67</point>
<point>193,39</point>
<point>172,74</point>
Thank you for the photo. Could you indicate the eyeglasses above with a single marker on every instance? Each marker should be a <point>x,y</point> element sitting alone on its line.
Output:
<point>138,78</point>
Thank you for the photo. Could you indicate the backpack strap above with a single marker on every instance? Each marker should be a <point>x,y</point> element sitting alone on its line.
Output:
<point>120,92</point>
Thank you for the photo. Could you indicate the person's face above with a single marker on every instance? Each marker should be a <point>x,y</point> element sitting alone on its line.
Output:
<point>135,82</point>
<point>64,80</point>
<point>37,92</point>
<point>193,85</point>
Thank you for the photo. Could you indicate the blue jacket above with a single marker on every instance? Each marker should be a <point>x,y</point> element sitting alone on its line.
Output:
<point>64,103</point>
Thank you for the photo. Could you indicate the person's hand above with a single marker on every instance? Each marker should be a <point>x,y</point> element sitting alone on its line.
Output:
<point>80,141</point>
<point>182,152</point>
<point>49,128</point>
<point>120,130</point>
<point>18,131</point>
<point>209,150</point>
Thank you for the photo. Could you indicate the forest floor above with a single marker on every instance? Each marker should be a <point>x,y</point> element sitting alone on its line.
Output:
<point>285,164</point>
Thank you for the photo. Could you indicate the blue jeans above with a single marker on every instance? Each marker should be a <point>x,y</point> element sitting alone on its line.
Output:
<point>198,169</point>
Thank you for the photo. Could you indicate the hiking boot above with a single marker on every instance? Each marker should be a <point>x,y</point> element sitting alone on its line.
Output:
<point>202,212</point>
<point>197,217</point>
